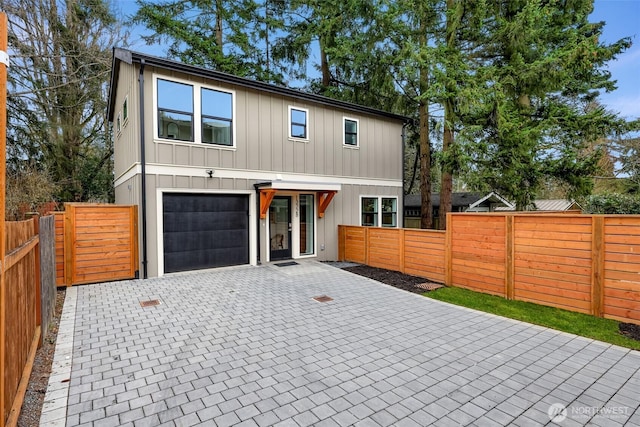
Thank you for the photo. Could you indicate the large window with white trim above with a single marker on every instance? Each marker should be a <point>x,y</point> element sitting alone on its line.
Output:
<point>379,211</point>
<point>194,112</point>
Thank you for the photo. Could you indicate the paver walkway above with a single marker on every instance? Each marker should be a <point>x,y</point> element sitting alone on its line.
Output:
<point>249,346</point>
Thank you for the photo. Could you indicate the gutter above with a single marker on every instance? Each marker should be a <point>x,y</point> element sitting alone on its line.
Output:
<point>257,186</point>
<point>143,172</point>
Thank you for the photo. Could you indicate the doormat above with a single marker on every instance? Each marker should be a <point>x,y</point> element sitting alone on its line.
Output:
<point>286,264</point>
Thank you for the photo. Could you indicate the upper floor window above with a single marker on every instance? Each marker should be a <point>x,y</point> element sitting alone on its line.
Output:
<point>125,109</point>
<point>379,211</point>
<point>195,112</point>
<point>217,117</point>
<point>350,135</point>
<point>298,123</point>
<point>175,110</point>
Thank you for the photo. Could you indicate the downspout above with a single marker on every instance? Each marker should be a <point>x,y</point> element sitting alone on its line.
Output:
<point>143,170</point>
<point>404,140</point>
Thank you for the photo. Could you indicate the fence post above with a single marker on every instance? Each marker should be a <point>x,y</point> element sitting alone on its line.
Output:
<point>36,232</point>
<point>510,255</point>
<point>448,274</point>
<point>3,237</point>
<point>401,249</point>
<point>367,238</point>
<point>69,235</point>
<point>597,265</point>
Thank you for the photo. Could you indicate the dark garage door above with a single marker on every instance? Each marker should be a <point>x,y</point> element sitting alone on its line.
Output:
<point>205,231</point>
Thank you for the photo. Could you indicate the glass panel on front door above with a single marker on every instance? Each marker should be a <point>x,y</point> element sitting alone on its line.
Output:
<point>306,224</point>
<point>280,228</point>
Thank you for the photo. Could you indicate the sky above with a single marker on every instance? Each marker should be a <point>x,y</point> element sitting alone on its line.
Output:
<point>622,19</point>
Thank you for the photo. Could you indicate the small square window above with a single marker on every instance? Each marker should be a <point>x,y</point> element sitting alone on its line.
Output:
<point>350,135</point>
<point>298,123</point>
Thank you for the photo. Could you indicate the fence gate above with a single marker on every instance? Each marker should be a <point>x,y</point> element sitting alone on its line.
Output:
<point>96,243</point>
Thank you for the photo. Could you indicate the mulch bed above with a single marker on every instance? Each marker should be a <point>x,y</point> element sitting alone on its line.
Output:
<point>39,379</point>
<point>396,279</point>
<point>630,330</point>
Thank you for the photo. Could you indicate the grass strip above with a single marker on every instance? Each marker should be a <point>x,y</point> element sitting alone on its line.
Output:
<point>562,320</point>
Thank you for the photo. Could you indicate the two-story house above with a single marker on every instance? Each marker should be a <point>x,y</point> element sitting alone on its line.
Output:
<point>231,171</point>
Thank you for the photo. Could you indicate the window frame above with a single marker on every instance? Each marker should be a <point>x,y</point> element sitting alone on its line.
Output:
<point>197,112</point>
<point>158,109</point>
<point>379,212</point>
<point>125,111</point>
<point>119,123</point>
<point>307,126</point>
<point>344,132</point>
<point>230,121</point>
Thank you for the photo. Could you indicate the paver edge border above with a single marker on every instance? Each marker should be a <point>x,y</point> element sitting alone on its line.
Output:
<point>54,407</point>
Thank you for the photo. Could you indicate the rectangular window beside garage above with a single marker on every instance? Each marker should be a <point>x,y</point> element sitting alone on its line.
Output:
<point>350,136</point>
<point>306,224</point>
<point>379,211</point>
<point>370,211</point>
<point>298,123</point>
<point>217,117</point>
<point>175,110</point>
<point>389,212</point>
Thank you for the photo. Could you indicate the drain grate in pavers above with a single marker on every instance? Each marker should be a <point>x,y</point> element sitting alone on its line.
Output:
<point>323,298</point>
<point>286,264</point>
<point>429,286</point>
<point>149,303</point>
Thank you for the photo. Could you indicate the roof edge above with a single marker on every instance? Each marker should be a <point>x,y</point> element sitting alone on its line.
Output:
<point>130,57</point>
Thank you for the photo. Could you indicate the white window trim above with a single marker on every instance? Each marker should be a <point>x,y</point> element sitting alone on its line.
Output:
<point>197,112</point>
<point>306,110</point>
<point>379,213</point>
<point>344,132</point>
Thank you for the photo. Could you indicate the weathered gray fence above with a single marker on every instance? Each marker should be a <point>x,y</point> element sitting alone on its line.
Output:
<point>47,271</point>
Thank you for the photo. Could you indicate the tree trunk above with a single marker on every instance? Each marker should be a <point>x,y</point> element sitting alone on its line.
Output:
<point>426,210</point>
<point>218,29</point>
<point>446,186</point>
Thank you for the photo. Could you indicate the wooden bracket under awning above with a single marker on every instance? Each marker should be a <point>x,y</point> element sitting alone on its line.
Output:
<point>324,198</point>
<point>266,196</point>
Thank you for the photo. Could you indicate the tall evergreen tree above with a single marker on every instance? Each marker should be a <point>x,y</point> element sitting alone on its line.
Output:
<point>61,57</point>
<point>229,36</point>
<point>543,68</point>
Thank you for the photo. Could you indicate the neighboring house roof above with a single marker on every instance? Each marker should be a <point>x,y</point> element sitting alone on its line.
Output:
<point>457,199</point>
<point>492,198</point>
<point>129,57</point>
<point>550,205</point>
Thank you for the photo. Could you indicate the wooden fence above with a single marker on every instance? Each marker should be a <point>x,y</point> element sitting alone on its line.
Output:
<point>96,243</point>
<point>584,263</point>
<point>21,308</point>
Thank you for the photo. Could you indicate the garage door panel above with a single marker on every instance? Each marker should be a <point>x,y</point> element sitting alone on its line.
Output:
<point>205,231</point>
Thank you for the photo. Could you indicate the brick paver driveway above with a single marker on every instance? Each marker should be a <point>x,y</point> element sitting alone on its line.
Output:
<point>249,346</point>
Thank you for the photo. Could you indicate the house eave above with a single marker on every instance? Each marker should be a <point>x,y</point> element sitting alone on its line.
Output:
<point>124,55</point>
